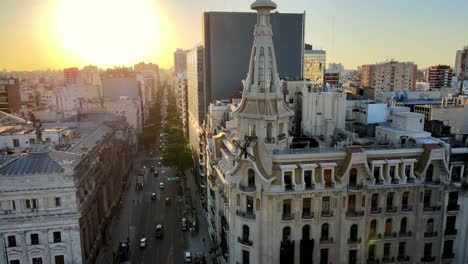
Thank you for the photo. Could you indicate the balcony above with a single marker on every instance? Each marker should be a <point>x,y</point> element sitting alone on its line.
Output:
<point>375,236</point>
<point>406,208</point>
<point>269,140</point>
<point>355,214</point>
<point>390,235</point>
<point>448,256</point>
<point>329,185</point>
<point>453,207</point>
<point>403,258</point>
<point>287,216</point>
<point>379,182</point>
<point>388,259</point>
<point>245,215</point>
<point>328,213</point>
<point>373,260</point>
<point>406,234</point>
<point>433,183</point>
<point>248,188</point>
<point>355,187</point>
<point>245,242</point>
<point>395,181</point>
<point>310,186</point>
<point>326,240</point>
<point>307,215</point>
<point>428,259</point>
<point>391,209</point>
<point>281,137</point>
<point>431,209</point>
<point>376,210</point>
<point>430,234</point>
<point>289,187</point>
<point>352,241</point>
<point>411,180</point>
<point>451,232</point>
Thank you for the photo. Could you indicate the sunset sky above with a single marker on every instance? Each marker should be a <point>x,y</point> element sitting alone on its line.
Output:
<point>40,34</point>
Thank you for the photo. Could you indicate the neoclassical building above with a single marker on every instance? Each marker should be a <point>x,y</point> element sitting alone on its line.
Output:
<point>274,199</point>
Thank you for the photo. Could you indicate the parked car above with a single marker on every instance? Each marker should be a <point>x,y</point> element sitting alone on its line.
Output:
<point>143,242</point>
<point>153,196</point>
<point>156,174</point>
<point>188,257</point>
<point>159,231</point>
<point>168,201</point>
<point>161,185</point>
<point>183,223</point>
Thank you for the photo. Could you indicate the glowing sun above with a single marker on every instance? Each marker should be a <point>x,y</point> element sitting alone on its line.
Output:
<point>107,32</point>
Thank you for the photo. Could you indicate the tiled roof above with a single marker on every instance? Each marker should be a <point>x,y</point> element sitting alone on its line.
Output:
<point>32,163</point>
<point>5,158</point>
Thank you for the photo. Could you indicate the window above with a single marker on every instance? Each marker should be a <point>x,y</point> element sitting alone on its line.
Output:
<point>326,204</point>
<point>453,200</point>
<point>353,256</point>
<point>405,200</point>
<point>328,177</point>
<point>251,178</point>
<point>308,179</point>
<point>245,233</point>
<point>324,256</point>
<point>37,261</point>
<point>57,202</point>
<point>427,199</point>
<point>429,173</point>
<point>388,226</point>
<point>32,141</point>
<point>16,261</point>
<point>306,206</point>
<point>352,203</point>
<point>371,252</point>
<point>376,173</point>
<point>386,251</point>
<point>401,249</point>
<point>430,226</point>
<point>403,224</point>
<point>353,177</point>
<point>456,173</point>
<point>392,172</point>
<point>450,225</point>
<point>245,257</point>
<point>34,239</point>
<point>288,180</point>
<point>448,249</point>
<point>306,232</point>
<point>11,241</point>
<point>57,237</point>
<point>408,170</point>
<point>373,228</point>
<point>249,204</point>
<point>287,207</point>
<point>286,233</point>
<point>390,201</point>
<point>324,232</point>
<point>375,200</point>
<point>427,250</point>
<point>16,143</point>
<point>59,259</point>
<point>353,233</point>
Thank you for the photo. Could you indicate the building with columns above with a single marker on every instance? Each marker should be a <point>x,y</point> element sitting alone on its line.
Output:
<point>390,199</point>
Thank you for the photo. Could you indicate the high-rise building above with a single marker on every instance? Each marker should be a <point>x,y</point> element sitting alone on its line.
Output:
<point>389,76</point>
<point>461,62</point>
<point>226,39</point>
<point>336,67</point>
<point>10,98</point>
<point>314,65</point>
<point>439,76</point>
<point>180,62</point>
<point>71,75</point>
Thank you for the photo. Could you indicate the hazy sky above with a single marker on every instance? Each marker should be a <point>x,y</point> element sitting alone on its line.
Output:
<point>352,32</point>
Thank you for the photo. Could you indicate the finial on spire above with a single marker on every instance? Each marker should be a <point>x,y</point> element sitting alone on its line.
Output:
<point>263,4</point>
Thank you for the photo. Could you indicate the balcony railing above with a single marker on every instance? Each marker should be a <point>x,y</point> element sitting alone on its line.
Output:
<point>410,180</point>
<point>246,215</point>
<point>281,136</point>
<point>428,259</point>
<point>451,232</point>
<point>388,259</point>
<point>289,187</point>
<point>376,210</point>
<point>328,213</point>
<point>244,241</point>
<point>403,258</point>
<point>428,182</point>
<point>270,140</point>
<point>395,181</point>
<point>307,215</point>
<point>354,214</point>
<point>448,256</point>
<point>373,260</point>
<point>391,209</point>
<point>310,186</point>
<point>354,240</point>
<point>326,240</point>
<point>430,209</point>
<point>287,216</point>
<point>355,187</point>
<point>430,234</point>
<point>248,188</point>
<point>453,207</point>
<point>406,208</point>
<point>390,235</point>
<point>329,185</point>
<point>375,236</point>
<point>406,234</point>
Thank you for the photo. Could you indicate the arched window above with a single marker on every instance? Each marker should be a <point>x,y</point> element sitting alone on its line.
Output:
<point>251,177</point>
<point>373,228</point>
<point>430,173</point>
<point>287,233</point>
<point>245,233</point>
<point>306,232</point>
<point>388,226</point>
<point>430,225</point>
<point>353,177</point>
<point>353,233</point>
<point>403,223</point>
<point>324,232</point>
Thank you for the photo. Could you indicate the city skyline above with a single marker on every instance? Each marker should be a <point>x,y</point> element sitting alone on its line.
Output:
<point>353,34</point>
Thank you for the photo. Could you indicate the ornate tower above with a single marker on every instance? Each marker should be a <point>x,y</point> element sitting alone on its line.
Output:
<point>262,112</point>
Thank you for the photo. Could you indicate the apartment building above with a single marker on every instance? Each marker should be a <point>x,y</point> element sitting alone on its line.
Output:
<point>389,76</point>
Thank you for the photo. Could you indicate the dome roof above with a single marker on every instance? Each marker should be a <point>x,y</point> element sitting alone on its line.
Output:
<point>258,4</point>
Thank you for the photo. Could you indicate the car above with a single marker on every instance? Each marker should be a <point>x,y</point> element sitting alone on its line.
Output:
<point>159,163</point>
<point>188,257</point>
<point>161,185</point>
<point>183,222</point>
<point>168,201</point>
<point>143,242</point>
<point>156,174</point>
<point>159,231</point>
<point>153,196</point>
